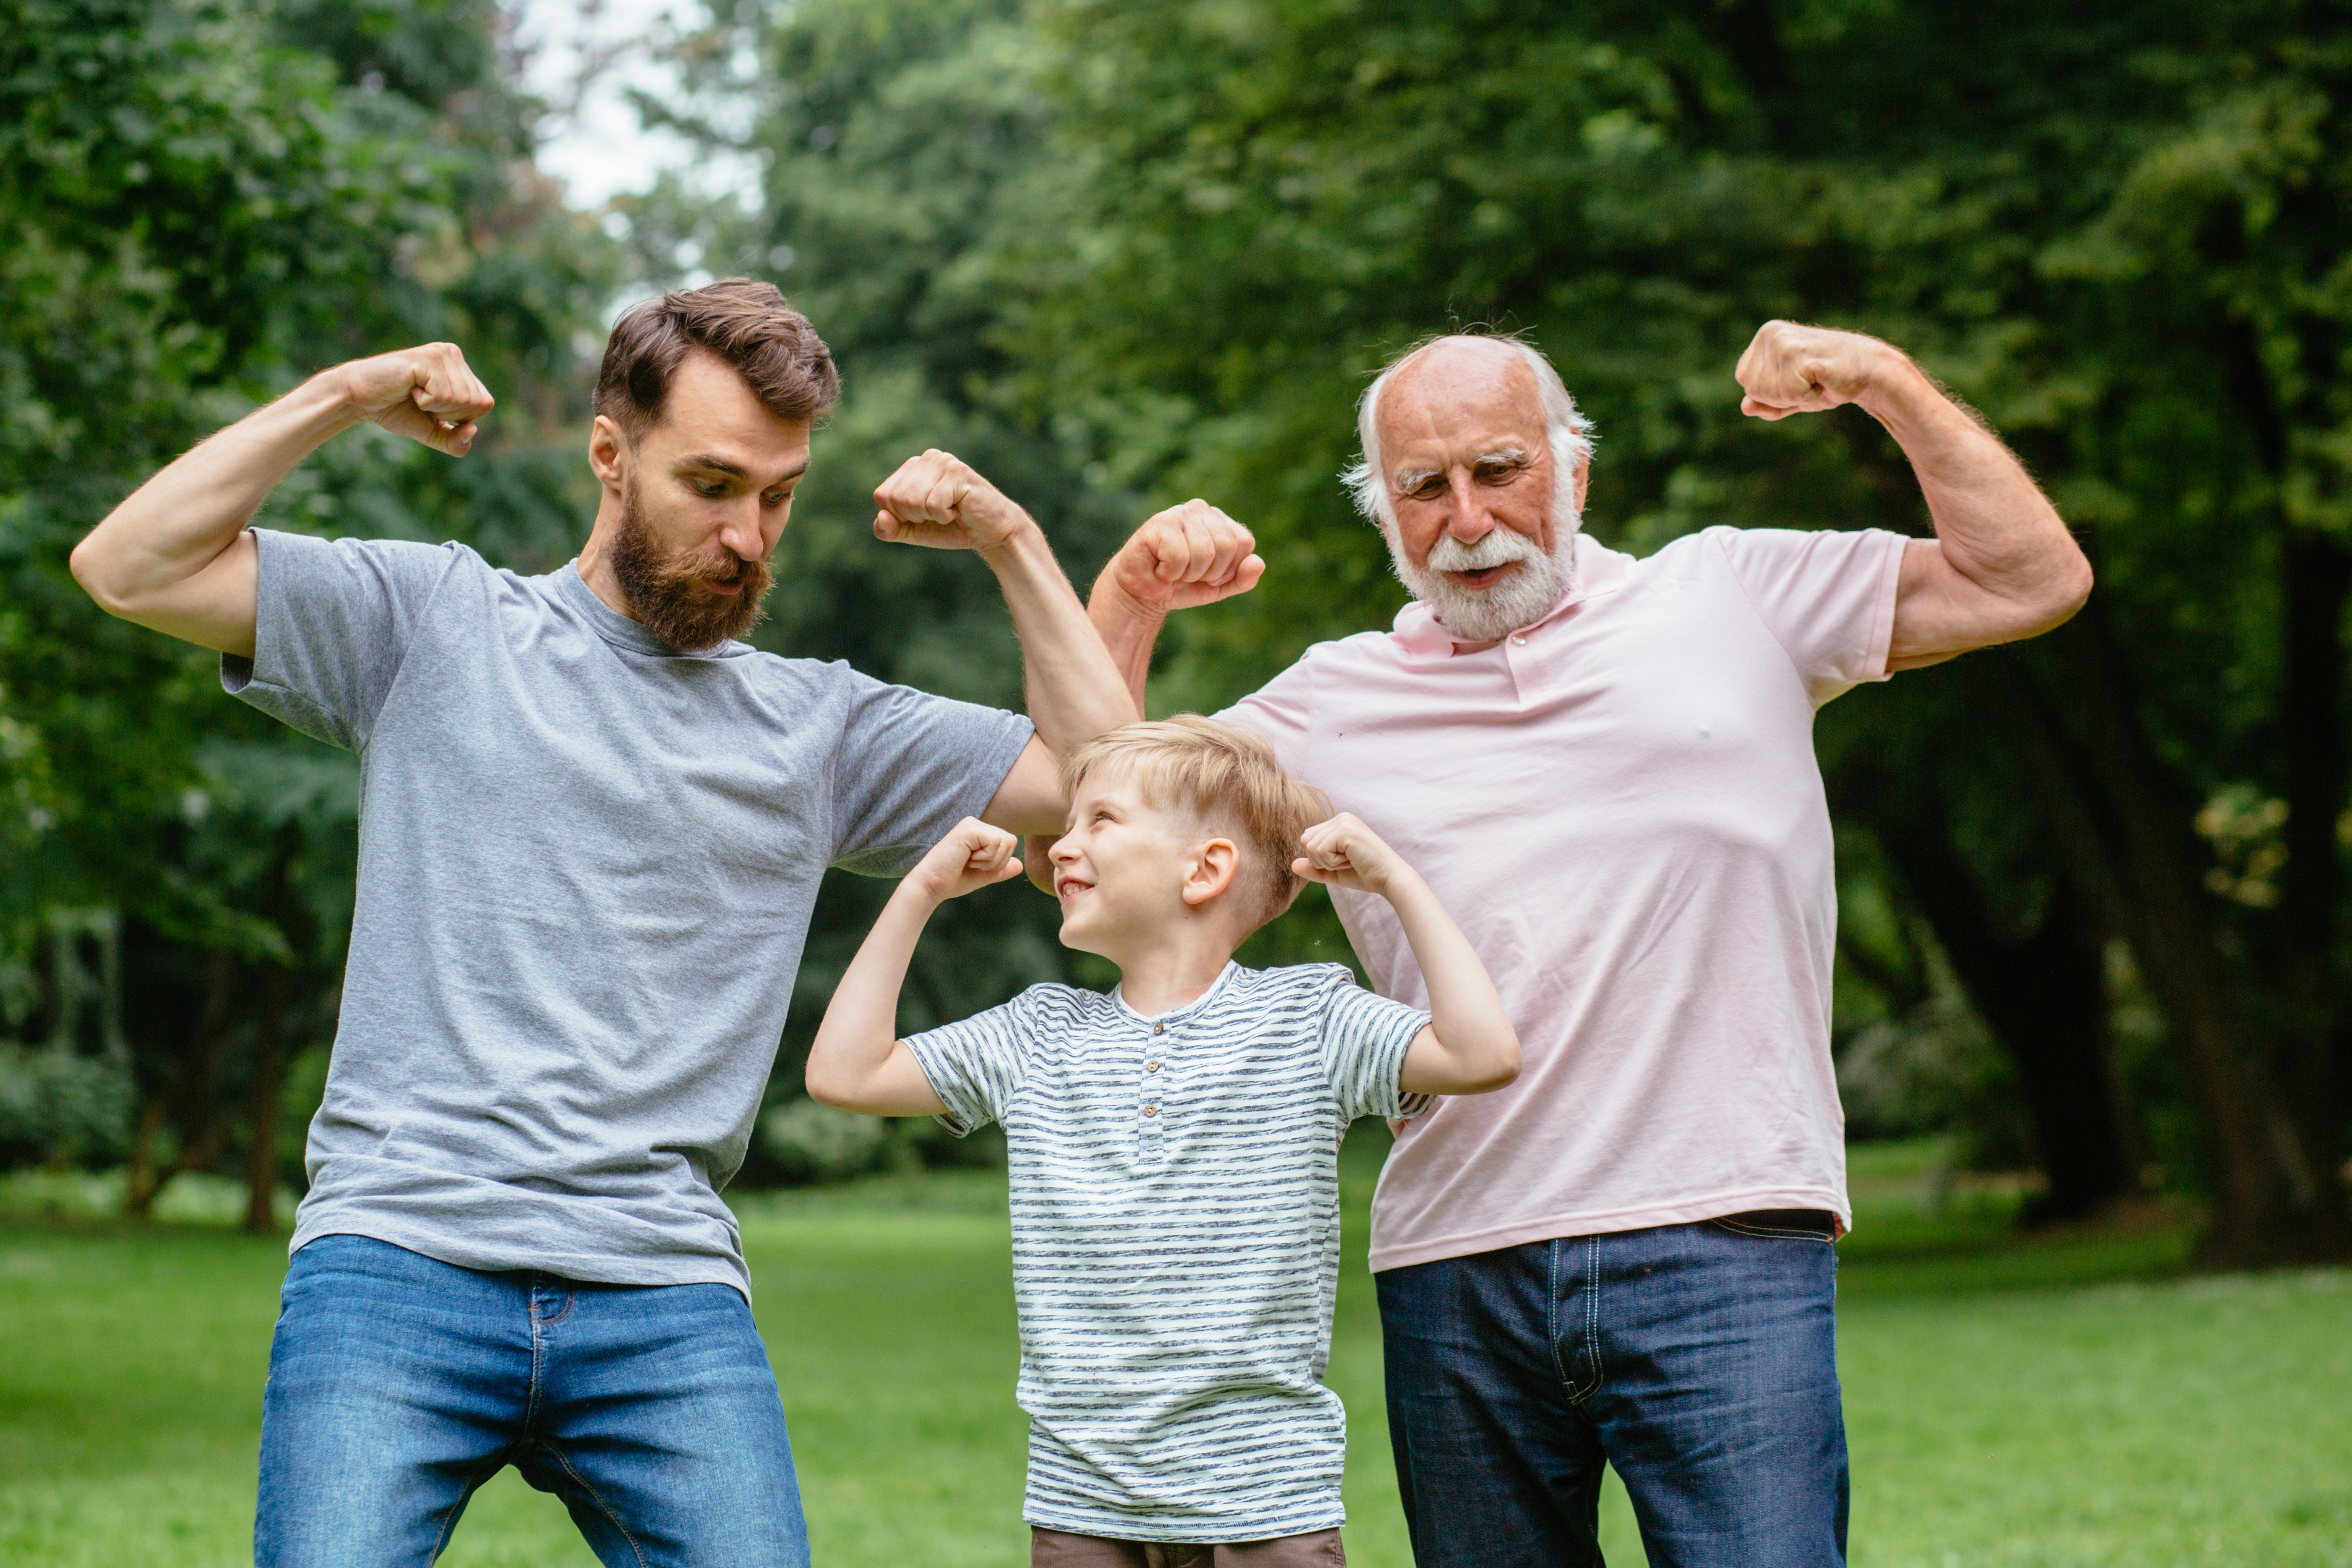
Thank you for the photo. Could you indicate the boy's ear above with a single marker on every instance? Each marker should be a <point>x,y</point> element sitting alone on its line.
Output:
<point>1211,870</point>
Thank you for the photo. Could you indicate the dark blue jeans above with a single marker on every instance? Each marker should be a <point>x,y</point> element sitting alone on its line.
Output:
<point>398,1385</point>
<point>1698,1360</point>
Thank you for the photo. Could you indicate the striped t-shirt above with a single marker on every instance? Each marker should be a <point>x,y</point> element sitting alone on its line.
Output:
<point>1176,1239</point>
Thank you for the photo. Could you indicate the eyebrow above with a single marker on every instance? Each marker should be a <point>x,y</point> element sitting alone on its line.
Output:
<point>1409,479</point>
<point>1503,455</point>
<point>712,462</point>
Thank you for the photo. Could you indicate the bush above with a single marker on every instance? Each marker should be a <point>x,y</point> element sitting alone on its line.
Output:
<point>57,1104</point>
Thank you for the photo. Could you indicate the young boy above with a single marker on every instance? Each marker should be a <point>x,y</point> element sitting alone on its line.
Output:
<point>1174,1144</point>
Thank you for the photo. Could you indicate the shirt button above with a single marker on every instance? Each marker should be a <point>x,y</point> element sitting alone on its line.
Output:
<point>1517,641</point>
<point>1159,1028</point>
<point>1151,1066</point>
<point>1151,1110</point>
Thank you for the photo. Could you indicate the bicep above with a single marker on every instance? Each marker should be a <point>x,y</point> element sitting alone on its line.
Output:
<point>899,1086</point>
<point>1030,799</point>
<point>216,606</point>
<point>1941,614</point>
<point>1430,1068</point>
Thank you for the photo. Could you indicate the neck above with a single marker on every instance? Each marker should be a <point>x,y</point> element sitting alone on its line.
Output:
<point>1174,972</point>
<point>594,563</point>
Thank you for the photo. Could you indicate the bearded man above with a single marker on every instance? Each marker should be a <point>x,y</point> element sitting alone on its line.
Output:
<point>591,828</point>
<point>1604,767</point>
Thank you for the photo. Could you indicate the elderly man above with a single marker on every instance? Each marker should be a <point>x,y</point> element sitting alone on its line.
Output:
<point>1604,766</point>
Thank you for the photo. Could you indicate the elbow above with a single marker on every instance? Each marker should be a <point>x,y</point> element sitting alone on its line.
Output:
<point>822,1089</point>
<point>1502,1070</point>
<point>2072,590</point>
<point>89,569</point>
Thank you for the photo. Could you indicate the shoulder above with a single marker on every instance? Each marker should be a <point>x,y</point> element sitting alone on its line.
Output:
<point>1315,983</point>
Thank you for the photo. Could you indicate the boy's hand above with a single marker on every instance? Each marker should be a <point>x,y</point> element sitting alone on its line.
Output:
<point>1345,852</point>
<point>973,855</point>
<point>939,501</point>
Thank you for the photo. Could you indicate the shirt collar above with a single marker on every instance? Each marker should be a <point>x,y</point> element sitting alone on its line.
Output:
<point>1118,996</point>
<point>1599,570</point>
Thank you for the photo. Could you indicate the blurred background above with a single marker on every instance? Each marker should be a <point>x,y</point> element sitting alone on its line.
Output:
<point>2092,1023</point>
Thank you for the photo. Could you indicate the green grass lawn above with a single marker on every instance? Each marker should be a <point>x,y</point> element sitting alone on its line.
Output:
<point>2062,1400</point>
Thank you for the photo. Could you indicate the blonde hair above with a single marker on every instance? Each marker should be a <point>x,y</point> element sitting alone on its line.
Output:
<point>1230,777</point>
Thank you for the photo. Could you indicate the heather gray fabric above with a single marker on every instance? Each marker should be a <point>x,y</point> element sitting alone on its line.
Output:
<point>586,864</point>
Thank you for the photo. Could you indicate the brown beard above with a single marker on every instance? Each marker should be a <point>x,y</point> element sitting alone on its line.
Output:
<point>666,591</point>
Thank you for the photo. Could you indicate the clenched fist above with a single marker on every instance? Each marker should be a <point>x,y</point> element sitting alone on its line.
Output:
<point>1346,853</point>
<point>1792,369</point>
<point>973,855</point>
<point>940,502</point>
<point>1190,554</point>
<point>428,393</point>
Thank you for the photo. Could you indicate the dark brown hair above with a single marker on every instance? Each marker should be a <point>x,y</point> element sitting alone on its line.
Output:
<point>743,321</point>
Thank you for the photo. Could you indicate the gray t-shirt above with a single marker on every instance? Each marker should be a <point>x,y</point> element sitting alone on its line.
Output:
<point>586,863</point>
<point>1176,1238</point>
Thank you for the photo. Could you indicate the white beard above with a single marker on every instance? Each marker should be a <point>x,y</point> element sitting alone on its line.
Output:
<point>1486,615</point>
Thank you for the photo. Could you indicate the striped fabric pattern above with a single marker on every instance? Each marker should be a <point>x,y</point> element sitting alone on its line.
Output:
<point>1175,1204</point>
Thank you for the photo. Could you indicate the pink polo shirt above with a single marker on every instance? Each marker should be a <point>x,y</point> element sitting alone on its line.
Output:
<point>1620,805</point>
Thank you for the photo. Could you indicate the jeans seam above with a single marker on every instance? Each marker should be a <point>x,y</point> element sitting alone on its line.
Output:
<point>1592,1310</point>
<point>597,1497</point>
<point>1551,1315</point>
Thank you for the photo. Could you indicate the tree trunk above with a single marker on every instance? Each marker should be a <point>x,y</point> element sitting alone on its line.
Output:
<point>2124,825</point>
<point>2044,995</point>
<point>190,1099</point>
<point>268,1077</point>
<point>2318,581</point>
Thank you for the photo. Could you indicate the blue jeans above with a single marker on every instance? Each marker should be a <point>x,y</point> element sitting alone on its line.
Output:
<point>1698,1360</point>
<point>398,1385</point>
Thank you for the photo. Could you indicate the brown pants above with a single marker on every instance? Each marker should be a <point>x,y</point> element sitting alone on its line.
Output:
<point>1056,1549</point>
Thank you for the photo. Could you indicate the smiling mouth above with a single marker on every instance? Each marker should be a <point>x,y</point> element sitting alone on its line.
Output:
<point>1066,889</point>
<point>729,585</point>
<point>1483,576</point>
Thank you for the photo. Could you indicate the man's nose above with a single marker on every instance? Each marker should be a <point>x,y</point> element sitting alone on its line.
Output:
<point>1467,517</point>
<point>741,532</point>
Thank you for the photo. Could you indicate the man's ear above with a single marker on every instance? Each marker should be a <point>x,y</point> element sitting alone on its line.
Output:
<point>608,453</point>
<point>1211,870</point>
<point>1583,475</point>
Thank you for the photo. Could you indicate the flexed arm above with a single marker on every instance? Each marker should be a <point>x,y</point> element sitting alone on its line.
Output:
<point>1188,556</point>
<point>1075,690</point>
<point>857,1061</point>
<point>2002,565</point>
<point>1468,1045</point>
<point>175,555</point>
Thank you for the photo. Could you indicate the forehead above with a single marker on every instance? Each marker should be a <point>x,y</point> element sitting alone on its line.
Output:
<point>1456,400</point>
<point>710,408</point>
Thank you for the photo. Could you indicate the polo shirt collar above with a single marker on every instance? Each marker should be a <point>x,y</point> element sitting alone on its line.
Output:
<point>1599,570</point>
<point>1225,976</point>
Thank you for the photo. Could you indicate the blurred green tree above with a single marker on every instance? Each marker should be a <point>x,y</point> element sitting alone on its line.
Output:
<point>200,201</point>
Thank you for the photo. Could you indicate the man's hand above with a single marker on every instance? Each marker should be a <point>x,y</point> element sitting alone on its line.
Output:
<point>1188,556</point>
<point>428,393</point>
<point>1345,852</point>
<point>973,855</point>
<point>1792,369</point>
<point>940,502</point>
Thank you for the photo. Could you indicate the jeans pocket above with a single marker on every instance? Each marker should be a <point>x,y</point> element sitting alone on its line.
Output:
<point>1781,1224</point>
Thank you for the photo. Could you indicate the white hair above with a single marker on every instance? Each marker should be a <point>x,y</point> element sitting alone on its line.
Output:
<point>1567,431</point>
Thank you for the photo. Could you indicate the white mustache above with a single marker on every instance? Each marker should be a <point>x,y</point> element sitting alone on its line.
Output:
<point>1497,548</point>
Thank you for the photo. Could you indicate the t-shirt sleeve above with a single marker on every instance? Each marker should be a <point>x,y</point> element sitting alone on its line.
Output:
<point>1365,1039</point>
<point>333,620</point>
<point>910,766</point>
<point>1828,597</point>
<point>1282,710</point>
<point>974,1065</point>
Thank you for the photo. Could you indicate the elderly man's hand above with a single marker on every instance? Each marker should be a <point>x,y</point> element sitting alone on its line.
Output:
<point>940,502</point>
<point>1190,554</point>
<point>1793,369</point>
